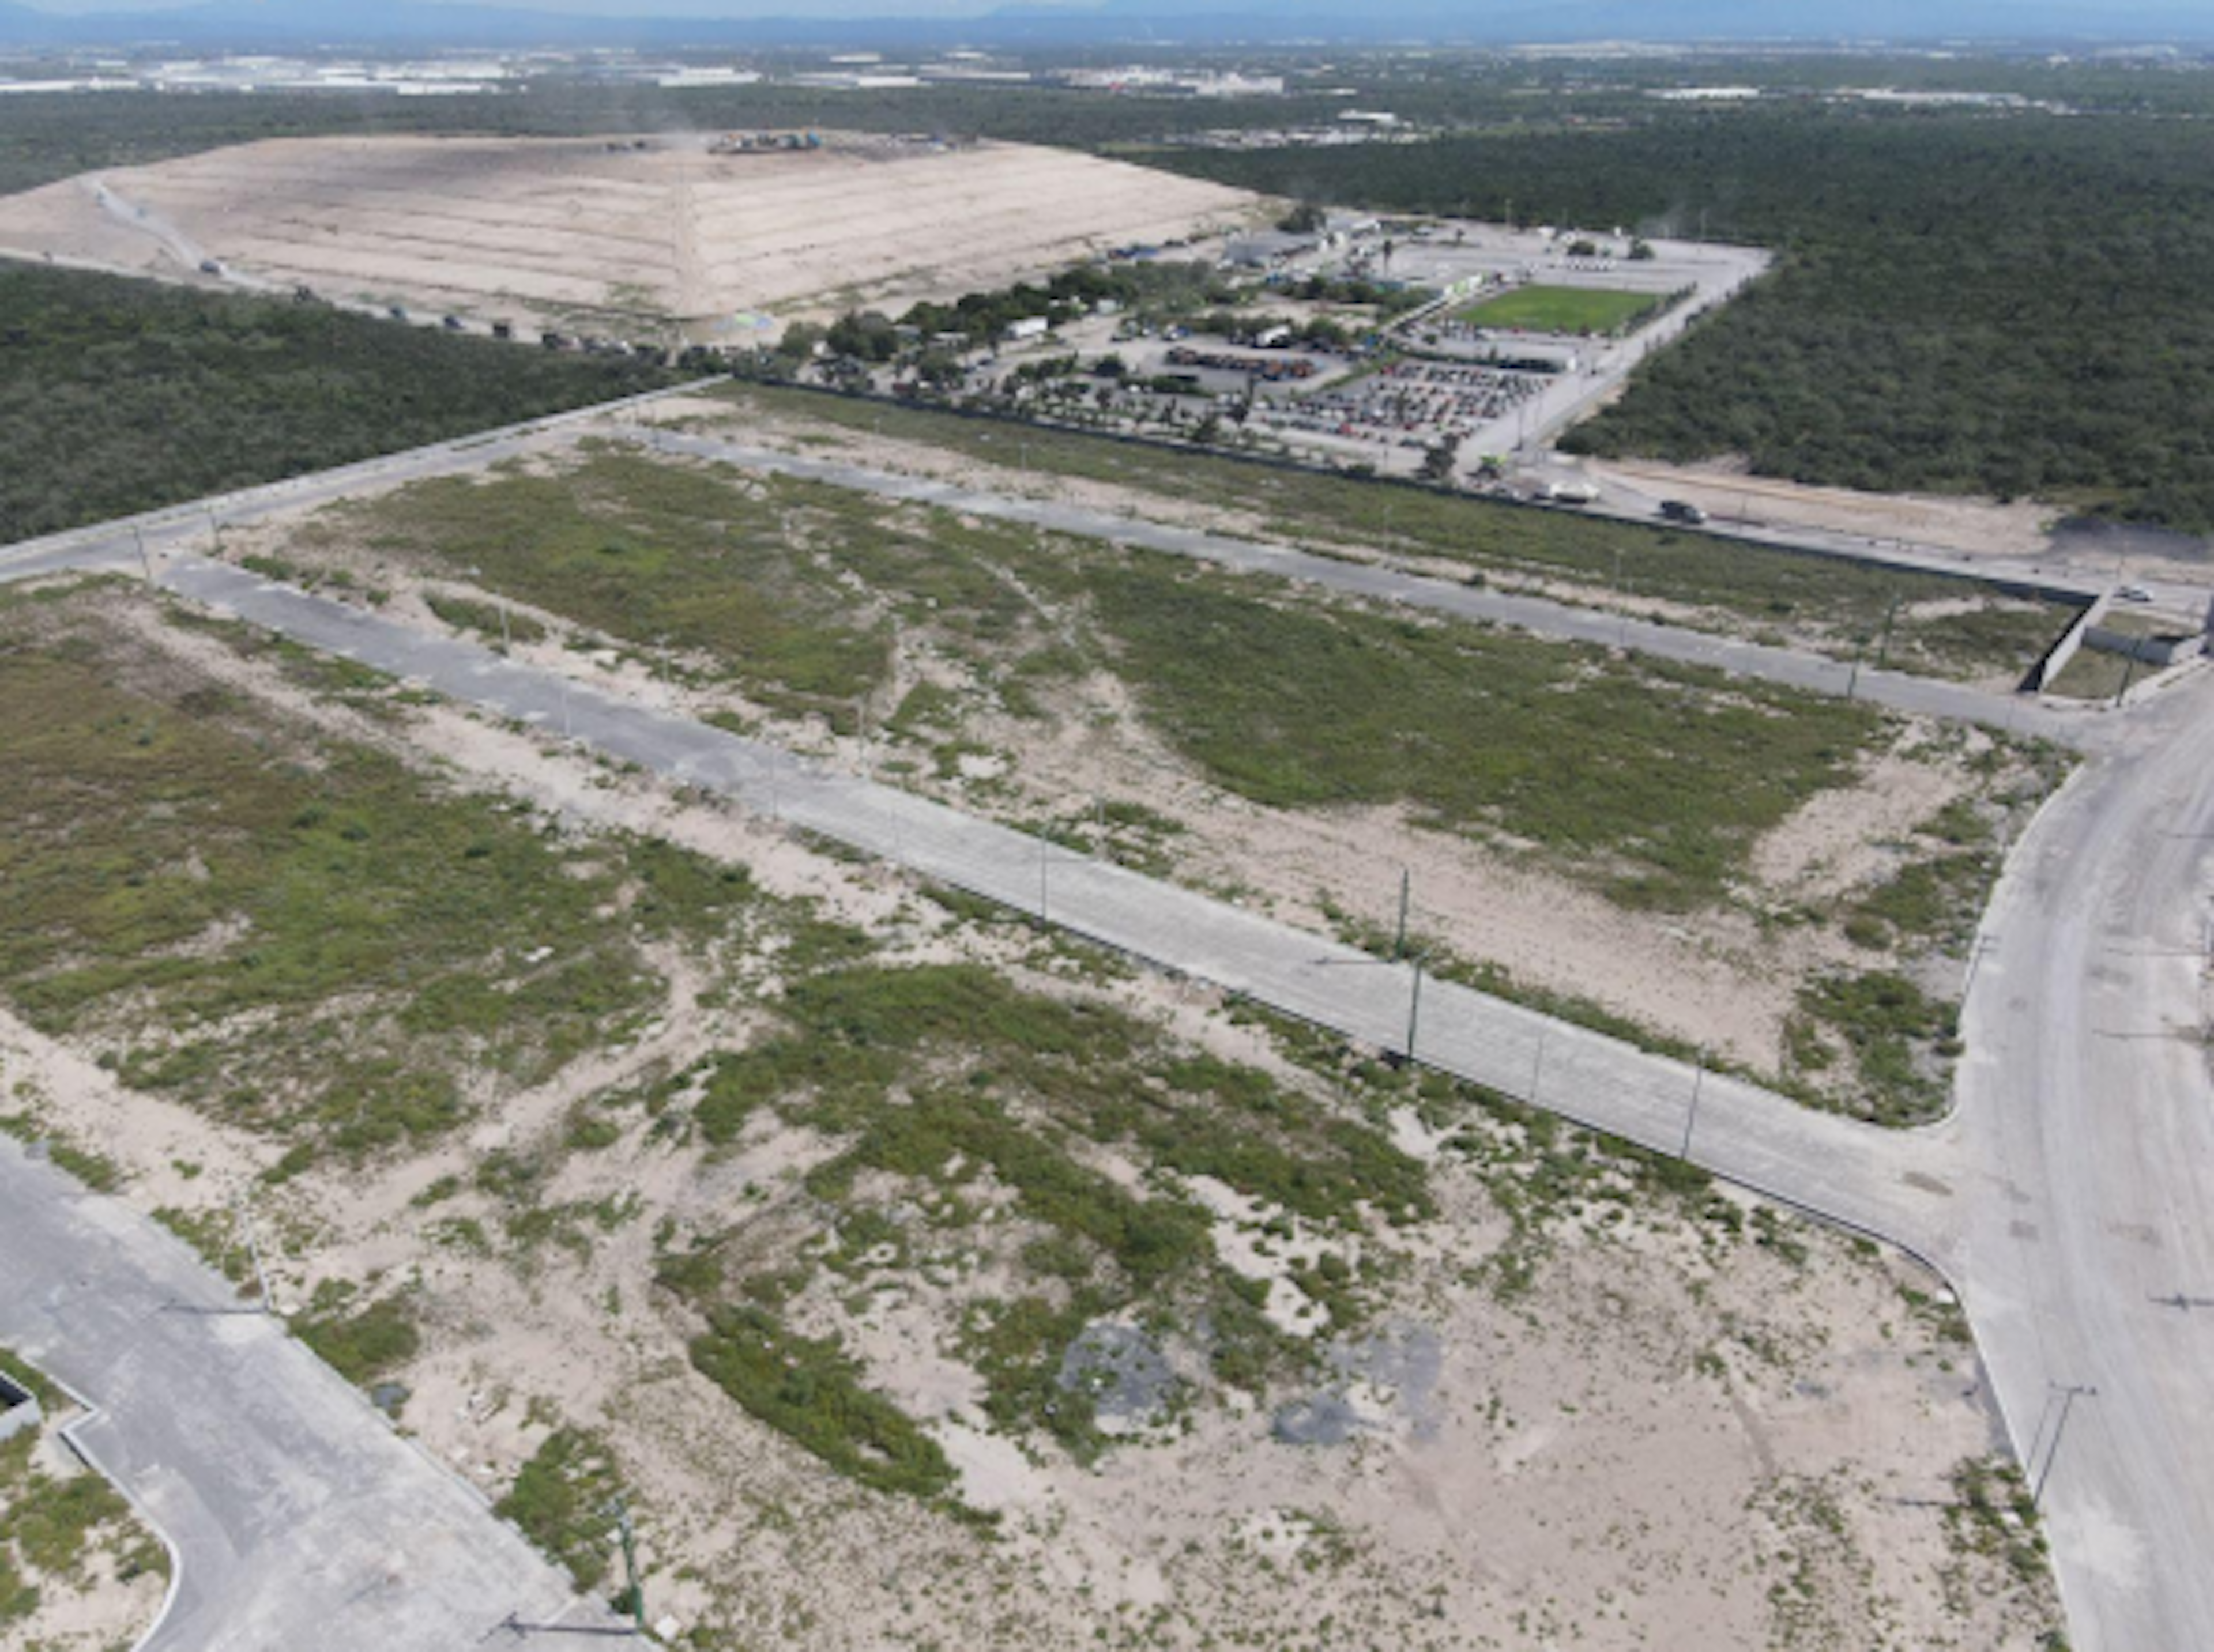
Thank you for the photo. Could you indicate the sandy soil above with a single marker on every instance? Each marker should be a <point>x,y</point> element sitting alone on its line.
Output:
<point>1975,528</point>
<point>1675,1436</point>
<point>95,1608</point>
<point>1721,978</point>
<point>553,229</point>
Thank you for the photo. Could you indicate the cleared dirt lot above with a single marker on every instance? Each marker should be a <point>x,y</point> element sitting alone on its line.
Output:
<point>556,231</point>
<point>1502,1388</point>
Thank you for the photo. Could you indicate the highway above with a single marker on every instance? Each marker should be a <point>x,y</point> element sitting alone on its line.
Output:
<point>295,1516</point>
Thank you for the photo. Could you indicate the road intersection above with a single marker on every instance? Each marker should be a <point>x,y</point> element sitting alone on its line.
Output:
<point>2069,1197</point>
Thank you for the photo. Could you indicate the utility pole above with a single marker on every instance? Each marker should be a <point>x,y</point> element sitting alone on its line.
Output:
<point>2129,671</point>
<point>1399,941</point>
<point>1045,861</point>
<point>1883,648</point>
<point>245,1223</point>
<point>1691,1118</point>
<point>1537,1066</point>
<point>2068,1393</point>
<point>145,561</point>
<point>1415,1008</point>
<point>626,1534</point>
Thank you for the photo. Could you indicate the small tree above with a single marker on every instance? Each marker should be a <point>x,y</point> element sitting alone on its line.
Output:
<point>1438,458</point>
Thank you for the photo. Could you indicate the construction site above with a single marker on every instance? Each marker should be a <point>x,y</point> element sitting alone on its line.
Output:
<point>684,238</point>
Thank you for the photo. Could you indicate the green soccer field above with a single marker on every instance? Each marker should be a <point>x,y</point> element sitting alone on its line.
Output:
<point>1563,309</point>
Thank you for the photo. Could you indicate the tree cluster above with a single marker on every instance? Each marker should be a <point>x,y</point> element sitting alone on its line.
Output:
<point>2004,303</point>
<point>120,396</point>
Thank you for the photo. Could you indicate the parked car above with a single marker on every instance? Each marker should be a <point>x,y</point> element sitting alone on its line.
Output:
<point>2134,594</point>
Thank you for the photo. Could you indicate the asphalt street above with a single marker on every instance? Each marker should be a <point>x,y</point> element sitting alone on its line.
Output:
<point>1559,620</point>
<point>301,1519</point>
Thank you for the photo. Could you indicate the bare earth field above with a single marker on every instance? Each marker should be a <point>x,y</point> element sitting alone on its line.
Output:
<point>562,231</point>
<point>1727,974</point>
<point>1977,529</point>
<point>1018,1332</point>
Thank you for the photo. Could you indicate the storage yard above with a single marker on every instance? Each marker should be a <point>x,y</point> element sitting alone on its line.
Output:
<point>663,234</point>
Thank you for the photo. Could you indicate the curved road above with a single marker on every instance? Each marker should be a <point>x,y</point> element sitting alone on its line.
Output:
<point>2088,1258</point>
<point>298,1517</point>
<point>2070,1197</point>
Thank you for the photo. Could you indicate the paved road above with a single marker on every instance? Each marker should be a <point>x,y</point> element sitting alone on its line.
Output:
<point>1630,497</point>
<point>1866,1177</point>
<point>2088,1114</point>
<point>2073,1188</point>
<point>178,529</point>
<point>300,1518</point>
<point>1896,690</point>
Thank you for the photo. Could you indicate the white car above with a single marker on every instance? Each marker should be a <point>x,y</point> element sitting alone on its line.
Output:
<point>2134,594</point>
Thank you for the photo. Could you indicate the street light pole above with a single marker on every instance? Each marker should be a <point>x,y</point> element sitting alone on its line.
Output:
<point>2068,1393</point>
<point>628,1534</point>
<point>1415,1008</point>
<point>1691,1118</point>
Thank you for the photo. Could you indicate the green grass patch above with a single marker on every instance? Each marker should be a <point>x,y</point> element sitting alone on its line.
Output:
<point>55,1526</point>
<point>944,1081</point>
<point>493,620</point>
<point>202,888</point>
<point>1564,309</point>
<point>809,1391</point>
<point>561,1501</point>
<point>360,1343</point>
<point>1902,1041</point>
<point>1588,756</point>
<point>1303,704</point>
<point>1744,590</point>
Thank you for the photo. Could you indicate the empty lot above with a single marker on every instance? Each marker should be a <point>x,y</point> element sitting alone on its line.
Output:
<point>558,231</point>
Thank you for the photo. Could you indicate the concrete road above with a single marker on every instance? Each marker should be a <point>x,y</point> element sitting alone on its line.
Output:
<point>296,1517</point>
<point>1870,1178</point>
<point>1923,696</point>
<point>178,529</point>
<point>2071,1196</point>
<point>2087,1115</point>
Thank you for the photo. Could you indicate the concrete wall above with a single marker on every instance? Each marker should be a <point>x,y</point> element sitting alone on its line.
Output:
<point>2160,652</point>
<point>2042,673</point>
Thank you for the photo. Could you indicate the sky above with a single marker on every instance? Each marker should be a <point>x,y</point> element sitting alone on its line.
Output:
<point>305,8</point>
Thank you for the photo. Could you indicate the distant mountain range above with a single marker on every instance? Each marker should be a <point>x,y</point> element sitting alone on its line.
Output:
<point>242,24</point>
